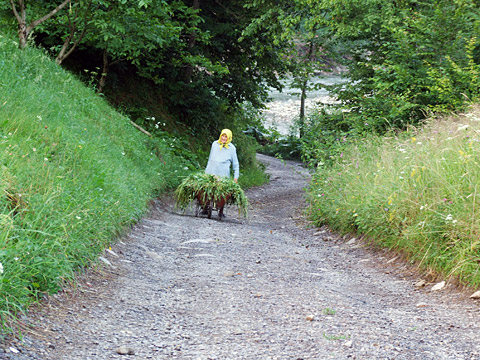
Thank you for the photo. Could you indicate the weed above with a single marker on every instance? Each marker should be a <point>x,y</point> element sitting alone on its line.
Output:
<point>328,311</point>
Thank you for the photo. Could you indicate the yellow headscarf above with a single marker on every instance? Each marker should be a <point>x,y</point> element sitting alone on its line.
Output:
<point>229,138</point>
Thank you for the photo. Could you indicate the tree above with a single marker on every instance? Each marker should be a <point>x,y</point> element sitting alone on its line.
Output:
<point>400,66</point>
<point>77,22</point>
<point>20,11</point>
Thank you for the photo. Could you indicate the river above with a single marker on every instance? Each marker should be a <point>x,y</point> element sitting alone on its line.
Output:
<point>284,107</point>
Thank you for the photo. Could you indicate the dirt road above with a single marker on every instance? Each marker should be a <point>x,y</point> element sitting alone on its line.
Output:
<point>185,287</point>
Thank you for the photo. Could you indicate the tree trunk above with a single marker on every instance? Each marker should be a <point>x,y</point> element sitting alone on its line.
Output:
<point>301,124</point>
<point>103,76</point>
<point>22,22</point>
<point>65,51</point>
<point>24,30</point>
<point>63,54</point>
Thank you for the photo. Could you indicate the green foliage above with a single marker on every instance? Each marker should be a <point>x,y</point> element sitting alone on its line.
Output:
<point>414,70</point>
<point>283,147</point>
<point>74,174</point>
<point>325,137</point>
<point>416,192</point>
<point>209,187</point>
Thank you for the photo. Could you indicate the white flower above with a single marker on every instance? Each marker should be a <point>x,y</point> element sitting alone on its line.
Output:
<point>449,217</point>
<point>1,268</point>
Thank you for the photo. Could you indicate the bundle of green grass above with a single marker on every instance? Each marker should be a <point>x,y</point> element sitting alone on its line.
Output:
<point>210,187</point>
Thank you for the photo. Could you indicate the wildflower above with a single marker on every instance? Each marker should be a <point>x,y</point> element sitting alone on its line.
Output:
<point>412,174</point>
<point>414,139</point>
<point>449,217</point>
<point>78,217</point>
<point>46,159</point>
<point>34,149</point>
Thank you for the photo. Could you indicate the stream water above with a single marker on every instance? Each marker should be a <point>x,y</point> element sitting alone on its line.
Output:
<point>284,107</point>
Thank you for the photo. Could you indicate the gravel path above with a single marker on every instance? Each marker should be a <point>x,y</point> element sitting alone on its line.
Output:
<point>185,287</point>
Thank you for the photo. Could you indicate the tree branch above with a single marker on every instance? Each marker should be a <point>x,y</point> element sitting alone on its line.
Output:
<point>140,128</point>
<point>48,16</point>
<point>15,12</point>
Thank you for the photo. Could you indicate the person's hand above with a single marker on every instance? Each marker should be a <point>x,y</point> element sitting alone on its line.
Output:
<point>236,180</point>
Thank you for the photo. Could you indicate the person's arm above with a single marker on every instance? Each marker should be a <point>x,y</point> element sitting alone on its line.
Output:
<point>235,165</point>
<point>210,155</point>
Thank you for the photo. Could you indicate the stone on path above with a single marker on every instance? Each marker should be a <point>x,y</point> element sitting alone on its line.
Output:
<point>475,295</point>
<point>123,350</point>
<point>438,286</point>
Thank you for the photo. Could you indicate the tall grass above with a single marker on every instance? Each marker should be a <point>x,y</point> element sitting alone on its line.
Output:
<point>417,192</point>
<point>74,174</point>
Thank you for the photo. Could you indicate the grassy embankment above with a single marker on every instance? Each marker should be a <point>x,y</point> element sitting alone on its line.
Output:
<point>74,173</point>
<point>417,193</point>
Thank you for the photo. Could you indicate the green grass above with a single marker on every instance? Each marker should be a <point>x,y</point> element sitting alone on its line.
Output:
<point>209,187</point>
<point>416,193</point>
<point>74,174</point>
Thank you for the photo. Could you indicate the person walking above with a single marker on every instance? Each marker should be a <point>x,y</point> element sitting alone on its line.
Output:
<point>222,159</point>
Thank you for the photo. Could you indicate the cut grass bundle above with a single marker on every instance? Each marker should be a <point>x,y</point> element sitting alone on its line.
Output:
<point>209,187</point>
